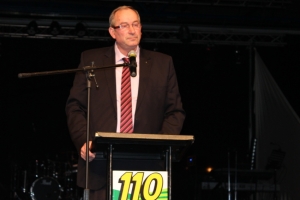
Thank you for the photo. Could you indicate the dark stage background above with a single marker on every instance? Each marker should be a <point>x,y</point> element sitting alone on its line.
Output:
<point>213,84</point>
<point>213,79</point>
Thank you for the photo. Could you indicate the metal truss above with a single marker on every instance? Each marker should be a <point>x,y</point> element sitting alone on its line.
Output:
<point>162,20</point>
<point>242,3</point>
<point>248,3</point>
<point>219,36</point>
<point>153,33</point>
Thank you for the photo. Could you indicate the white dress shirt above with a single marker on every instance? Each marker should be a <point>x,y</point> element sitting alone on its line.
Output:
<point>134,84</point>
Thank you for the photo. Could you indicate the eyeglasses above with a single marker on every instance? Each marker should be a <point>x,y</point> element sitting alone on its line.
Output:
<point>125,26</point>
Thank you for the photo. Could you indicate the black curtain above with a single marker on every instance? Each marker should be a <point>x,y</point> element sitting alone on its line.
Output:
<point>277,131</point>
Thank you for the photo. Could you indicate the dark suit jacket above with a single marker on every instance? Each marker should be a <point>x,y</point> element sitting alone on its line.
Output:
<point>158,109</point>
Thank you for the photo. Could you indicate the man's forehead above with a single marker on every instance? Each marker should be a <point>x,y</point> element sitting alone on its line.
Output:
<point>126,14</point>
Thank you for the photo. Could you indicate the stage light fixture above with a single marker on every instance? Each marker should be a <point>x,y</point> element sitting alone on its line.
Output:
<point>208,169</point>
<point>54,28</point>
<point>184,34</point>
<point>80,29</point>
<point>32,28</point>
<point>238,56</point>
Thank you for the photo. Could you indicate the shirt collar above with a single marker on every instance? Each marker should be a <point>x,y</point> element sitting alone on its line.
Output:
<point>119,55</point>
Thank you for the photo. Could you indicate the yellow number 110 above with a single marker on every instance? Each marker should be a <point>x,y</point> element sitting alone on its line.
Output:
<point>139,188</point>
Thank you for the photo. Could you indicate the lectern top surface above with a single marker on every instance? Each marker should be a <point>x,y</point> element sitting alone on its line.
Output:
<point>144,136</point>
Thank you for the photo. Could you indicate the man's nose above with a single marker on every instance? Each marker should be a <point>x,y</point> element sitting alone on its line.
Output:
<point>131,29</point>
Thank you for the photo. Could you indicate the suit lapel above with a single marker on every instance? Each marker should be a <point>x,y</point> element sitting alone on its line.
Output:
<point>109,59</point>
<point>145,69</point>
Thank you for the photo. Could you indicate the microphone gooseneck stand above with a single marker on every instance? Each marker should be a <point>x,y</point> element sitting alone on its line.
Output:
<point>89,70</point>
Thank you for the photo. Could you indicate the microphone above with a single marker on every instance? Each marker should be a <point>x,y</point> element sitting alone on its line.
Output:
<point>132,64</point>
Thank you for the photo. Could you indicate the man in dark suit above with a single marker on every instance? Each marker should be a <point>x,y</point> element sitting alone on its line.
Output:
<point>155,98</point>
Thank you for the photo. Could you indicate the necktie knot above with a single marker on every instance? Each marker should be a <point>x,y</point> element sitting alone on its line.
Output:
<point>126,60</point>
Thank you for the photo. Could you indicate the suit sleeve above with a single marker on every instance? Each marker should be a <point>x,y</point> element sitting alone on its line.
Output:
<point>76,107</point>
<point>174,114</point>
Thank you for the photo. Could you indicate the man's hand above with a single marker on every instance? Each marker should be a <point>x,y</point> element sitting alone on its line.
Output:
<point>83,152</point>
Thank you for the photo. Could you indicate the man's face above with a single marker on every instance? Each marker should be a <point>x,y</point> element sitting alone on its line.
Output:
<point>126,38</point>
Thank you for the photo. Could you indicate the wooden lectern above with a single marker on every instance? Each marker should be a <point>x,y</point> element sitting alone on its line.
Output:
<point>111,146</point>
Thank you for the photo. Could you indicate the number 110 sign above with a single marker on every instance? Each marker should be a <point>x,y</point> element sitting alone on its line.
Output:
<point>140,185</point>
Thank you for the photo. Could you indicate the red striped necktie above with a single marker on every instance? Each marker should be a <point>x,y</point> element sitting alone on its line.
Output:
<point>126,102</point>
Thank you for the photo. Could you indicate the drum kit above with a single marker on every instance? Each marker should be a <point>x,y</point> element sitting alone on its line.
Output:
<point>46,180</point>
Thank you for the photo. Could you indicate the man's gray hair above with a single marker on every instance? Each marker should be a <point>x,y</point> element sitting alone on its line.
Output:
<point>112,15</point>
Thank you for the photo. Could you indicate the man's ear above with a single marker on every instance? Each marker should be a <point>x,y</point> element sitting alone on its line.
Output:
<point>112,32</point>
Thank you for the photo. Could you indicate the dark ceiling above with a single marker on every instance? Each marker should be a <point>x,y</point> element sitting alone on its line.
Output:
<point>264,22</point>
<point>254,13</point>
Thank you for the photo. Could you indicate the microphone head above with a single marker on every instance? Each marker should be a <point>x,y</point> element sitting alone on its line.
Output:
<point>131,53</point>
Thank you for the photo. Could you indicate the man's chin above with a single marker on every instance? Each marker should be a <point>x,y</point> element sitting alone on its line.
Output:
<point>132,45</point>
<point>133,42</point>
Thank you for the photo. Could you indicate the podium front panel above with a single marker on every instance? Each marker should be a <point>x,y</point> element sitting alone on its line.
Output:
<point>140,185</point>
